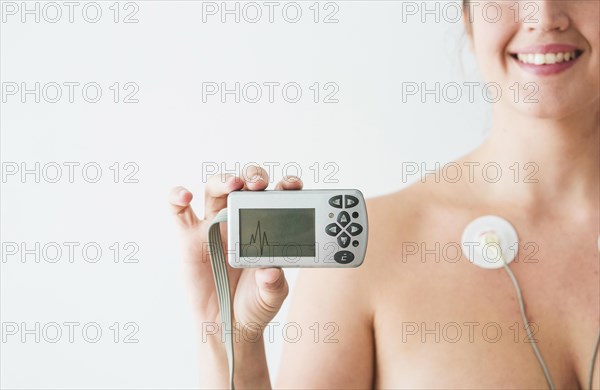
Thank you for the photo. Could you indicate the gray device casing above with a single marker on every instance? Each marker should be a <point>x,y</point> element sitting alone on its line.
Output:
<point>340,229</point>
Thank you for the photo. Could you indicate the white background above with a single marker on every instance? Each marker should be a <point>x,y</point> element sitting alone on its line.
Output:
<point>169,53</point>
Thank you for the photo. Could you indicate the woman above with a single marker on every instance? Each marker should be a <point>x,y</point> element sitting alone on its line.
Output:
<point>415,316</point>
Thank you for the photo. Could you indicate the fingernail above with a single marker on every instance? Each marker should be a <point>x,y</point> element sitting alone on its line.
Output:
<point>255,179</point>
<point>182,194</point>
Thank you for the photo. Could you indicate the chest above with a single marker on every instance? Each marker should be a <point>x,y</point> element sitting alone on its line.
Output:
<point>453,324</point>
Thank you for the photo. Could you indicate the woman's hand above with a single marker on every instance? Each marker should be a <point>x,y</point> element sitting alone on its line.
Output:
<point>257,294</point>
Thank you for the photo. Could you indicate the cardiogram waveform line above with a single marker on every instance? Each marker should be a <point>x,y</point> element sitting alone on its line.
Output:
<point>262,238</point>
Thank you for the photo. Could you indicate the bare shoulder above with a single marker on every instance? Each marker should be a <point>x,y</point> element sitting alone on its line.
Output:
<point>414,242</point>
<point>405,215</point>
<point>410,215</point>
<point>335,308</point>
<point>342,309</point>
<point>396,222</point>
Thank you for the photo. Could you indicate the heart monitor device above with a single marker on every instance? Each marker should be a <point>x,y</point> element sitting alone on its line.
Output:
<point>308,228</point>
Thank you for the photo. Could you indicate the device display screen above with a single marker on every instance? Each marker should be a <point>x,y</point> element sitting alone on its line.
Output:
<point>286,233</point>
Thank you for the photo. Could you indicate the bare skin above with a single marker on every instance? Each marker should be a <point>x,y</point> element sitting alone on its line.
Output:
<point>387,310</point>
<point>398,315</point>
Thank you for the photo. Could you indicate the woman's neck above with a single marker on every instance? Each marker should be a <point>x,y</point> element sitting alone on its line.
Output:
<point>557,161</point>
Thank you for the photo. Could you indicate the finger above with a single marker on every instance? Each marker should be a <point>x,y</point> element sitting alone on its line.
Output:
<point>256,178</point>
<point>180,200</point>
<point>290,183</point>
<point>216,191</point>
<point>272,287</point>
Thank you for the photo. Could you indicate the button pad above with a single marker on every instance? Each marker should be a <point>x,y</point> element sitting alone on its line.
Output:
<point>346,229</point>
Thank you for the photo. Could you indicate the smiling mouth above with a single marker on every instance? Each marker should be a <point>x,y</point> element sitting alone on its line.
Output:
<point>547,58</point>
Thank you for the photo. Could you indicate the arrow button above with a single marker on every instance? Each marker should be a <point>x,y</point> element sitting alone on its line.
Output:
<point>343,218</point>
<point>333,229</point>
<point>354,229</point>
<point>351,201</point>
<point>336,201</point>
<point>344,240</point>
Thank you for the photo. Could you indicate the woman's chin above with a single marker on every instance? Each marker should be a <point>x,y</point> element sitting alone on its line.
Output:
<point>555,109</point>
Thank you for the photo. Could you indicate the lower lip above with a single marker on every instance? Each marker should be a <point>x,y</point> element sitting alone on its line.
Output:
<point>546,70</point>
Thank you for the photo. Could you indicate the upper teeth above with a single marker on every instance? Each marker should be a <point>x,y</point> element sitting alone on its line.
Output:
<point>548,58</point>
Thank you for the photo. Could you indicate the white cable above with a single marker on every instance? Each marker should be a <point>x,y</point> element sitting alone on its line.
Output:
<point>527,327</point>
<point>491,238</point>
<point>219,268</point>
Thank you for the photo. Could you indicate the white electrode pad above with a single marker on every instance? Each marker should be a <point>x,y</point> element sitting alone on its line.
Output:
<point>486,255</point>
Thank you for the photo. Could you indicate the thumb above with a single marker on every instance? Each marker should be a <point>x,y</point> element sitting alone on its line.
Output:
<point>272,287</point>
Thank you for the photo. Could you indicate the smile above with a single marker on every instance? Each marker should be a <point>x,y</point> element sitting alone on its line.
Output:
<point>548,58</point>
